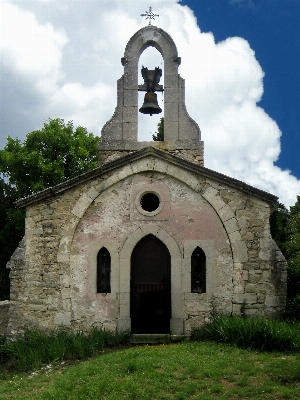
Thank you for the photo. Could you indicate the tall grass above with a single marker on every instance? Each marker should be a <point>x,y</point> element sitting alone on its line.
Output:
<point>37,348</point>
<point>253,333</point>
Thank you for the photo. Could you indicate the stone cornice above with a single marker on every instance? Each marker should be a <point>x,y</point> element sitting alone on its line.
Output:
<point>146,152</point>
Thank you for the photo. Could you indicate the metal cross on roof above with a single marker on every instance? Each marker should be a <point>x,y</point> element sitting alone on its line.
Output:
<point>149,15</point>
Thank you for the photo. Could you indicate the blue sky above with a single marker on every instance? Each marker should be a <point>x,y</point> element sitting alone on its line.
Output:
<point>272,28</point>
<point>61,59</point>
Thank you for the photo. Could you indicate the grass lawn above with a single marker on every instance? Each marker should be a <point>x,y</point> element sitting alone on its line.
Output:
<point>189,370</point>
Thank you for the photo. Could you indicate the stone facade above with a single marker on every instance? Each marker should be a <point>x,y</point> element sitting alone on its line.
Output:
<point>54,270</point>
<point>53,275</point>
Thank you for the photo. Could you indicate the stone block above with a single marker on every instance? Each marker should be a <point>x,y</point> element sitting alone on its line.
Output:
<point>129,115</point>
<point>231,225</point>
<point>130,98</point>
<point>124,172</point>
<point>66,304</point>
<point>47,211</point>
<point>170,112</point>
<point>235,237</point>
<point>225,212</point>
<point>124,324</point>
<point>238,288</point>
<point>280,257</point>
<point>81,206</point>
<point>160,166</point>
<point>245,298</point>
<point>124,304</point>
<point>210,193</point>
<point>192,181</point>
<point>217,202</point>
<point>188,130</point>
<point>171,80</point>
<point>179,173</point>
<point>171,131</point>
<point>251,312</point>
<point>237,201</point>
<point>93,193</point>
<point>37,307</point>
<point>37,231</point>
<point>251,288</point>
<point>65,293</point>
<point>150,229</point>
<point>62,319</point>
<point>64,280</point>
<point>196,306</point>
<point>266,249</point>
<point>177,326</point>
<point>130,132</point>
<point>239,250</point>
<point>236,309</point>
<point>140,165</point>
<point>272,301</point>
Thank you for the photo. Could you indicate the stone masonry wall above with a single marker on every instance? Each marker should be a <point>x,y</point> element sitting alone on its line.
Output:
<point>42,283</point>
<point>194,156</point>
<point>4,314</point>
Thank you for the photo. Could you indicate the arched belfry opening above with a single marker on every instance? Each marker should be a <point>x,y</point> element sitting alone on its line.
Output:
<point>150,287</point>
<point>152,60</point>
<point>120,134</point>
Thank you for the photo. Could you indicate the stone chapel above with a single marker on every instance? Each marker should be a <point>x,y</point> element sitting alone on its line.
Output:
<point>150,239</point>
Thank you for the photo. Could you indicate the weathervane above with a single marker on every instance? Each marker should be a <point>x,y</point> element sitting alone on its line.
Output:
<point>149,15</point>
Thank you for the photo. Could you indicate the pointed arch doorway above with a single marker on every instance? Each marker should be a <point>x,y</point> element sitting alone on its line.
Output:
<point>150,287</point>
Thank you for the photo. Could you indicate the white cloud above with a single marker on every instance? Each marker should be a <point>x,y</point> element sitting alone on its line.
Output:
<point>58,64</point>
<point>28,47</point>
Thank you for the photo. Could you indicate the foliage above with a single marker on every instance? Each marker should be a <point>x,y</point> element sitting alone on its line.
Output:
<point>292,252</point>
<point>252,333</point>
<point>160,131</point>
<point>37,348</point>
<point>172,372</point>
<point>285,230</point>
<point>278,226</point>
<point>49,156</point>
<point>11,232</point>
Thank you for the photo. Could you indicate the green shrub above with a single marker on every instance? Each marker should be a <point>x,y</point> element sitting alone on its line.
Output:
<point>253,333</point>
<point>37,348</point>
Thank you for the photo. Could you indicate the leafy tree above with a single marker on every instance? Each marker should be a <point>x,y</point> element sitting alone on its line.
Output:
<point>47,157</point>
<point>160,131</point>
<point>292,247</point>
<point>11,232</point>
<point>285,230</point>
<point>278,226</point>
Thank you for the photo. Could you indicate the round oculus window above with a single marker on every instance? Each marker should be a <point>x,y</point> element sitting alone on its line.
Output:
<point>149,202</point>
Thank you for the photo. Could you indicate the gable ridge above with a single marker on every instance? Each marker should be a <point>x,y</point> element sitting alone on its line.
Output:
<point>140,154</point>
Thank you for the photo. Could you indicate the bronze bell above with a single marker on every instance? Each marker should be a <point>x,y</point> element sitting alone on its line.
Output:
<point>150,105</point>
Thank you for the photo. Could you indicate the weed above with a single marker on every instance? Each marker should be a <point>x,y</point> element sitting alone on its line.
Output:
<point>253,333</point>
<point>36,348</point>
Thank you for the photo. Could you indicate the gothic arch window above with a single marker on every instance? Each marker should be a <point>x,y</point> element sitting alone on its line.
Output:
<point>103,271</point>
<point>198,271</point>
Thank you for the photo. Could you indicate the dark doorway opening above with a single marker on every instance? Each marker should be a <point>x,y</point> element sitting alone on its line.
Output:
<point>150,298</point>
